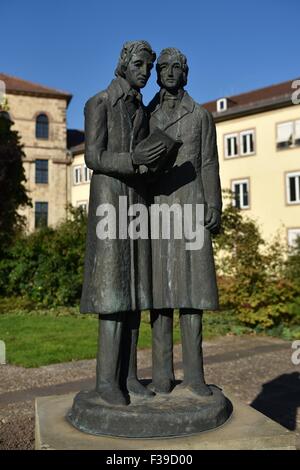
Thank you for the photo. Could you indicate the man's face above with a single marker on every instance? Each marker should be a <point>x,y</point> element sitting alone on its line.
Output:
<point>138,70</point>
<point>170,72</point>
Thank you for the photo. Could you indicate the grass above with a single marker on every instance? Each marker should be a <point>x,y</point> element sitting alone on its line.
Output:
<point>36,340</point>
<point>38,336</point>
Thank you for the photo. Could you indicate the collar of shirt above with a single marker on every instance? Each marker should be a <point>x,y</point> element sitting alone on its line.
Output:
<point>167,96</point>
<point>129,93</point>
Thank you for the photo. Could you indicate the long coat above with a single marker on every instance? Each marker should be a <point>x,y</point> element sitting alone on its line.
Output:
<point>186,278</point>
<point>117,272</point>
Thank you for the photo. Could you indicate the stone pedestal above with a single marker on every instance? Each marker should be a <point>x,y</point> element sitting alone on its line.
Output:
<point>178,413</point>
<point>245,429</point>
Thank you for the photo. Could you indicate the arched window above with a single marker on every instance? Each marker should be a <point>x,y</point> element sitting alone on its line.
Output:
<point>42,127</point>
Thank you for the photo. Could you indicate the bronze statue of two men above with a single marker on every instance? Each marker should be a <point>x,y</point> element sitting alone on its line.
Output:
<point>163,154</point>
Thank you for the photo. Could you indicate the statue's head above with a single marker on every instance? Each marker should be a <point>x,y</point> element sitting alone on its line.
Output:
<point>172,69</point>
<point>135,63</point>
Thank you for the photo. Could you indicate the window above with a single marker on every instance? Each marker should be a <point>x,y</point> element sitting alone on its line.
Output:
<point>83,205</point>
<point>41,214</point>
<point>77,174</point>
<point>288,134</point>
<point>222,105</point>
<point>240,144</point>
<point>87,174</point>
<point>41,171</point>
<point>231,145</point>
<point>297,133</point>
<point>42,127</point>
<point>240,189</point>
<point>247,142</point>
<point>293,234</point>
<point>293,188</point>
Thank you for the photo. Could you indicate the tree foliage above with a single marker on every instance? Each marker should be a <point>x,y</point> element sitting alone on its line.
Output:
<point>47,265</point>
<point>12,182</point>
<point>253,275</point>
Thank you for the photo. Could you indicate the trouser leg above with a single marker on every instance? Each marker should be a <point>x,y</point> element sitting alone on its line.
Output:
<point>129,379</point>
<point>162,350</point>
<point>131,336</point>
<point>192,354</point>
<point>109,358</point>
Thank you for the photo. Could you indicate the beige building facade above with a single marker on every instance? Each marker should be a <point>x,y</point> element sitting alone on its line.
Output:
<point>259,151</point>
<point>39,114</point>
<point>80,177</point>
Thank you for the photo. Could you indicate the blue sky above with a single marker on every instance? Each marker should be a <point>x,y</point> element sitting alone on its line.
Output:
<point>232,46</point>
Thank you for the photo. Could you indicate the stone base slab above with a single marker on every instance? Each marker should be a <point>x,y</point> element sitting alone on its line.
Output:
<point>179,413</point>
<point>246,429</point>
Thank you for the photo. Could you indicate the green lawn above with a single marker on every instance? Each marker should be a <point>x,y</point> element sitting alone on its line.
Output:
<point>39,337</point>
<point>37,340</point>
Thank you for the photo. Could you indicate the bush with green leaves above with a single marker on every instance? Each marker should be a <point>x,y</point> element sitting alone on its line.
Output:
<point>47,265</point>
<point>292,263</point>
<point>256,280</point>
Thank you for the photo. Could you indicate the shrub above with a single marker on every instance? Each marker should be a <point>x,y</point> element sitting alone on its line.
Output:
<point>47,265</point>
<point>255,281</point>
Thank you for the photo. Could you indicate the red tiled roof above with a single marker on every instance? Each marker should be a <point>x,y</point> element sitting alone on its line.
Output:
<point>254,96</point>
<point>18,85</point>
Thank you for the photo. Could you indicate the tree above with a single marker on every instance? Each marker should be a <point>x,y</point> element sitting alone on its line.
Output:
<point>252,280</point>
<point>46,266</point>
<point>12,182</point>
<point>292,264</point>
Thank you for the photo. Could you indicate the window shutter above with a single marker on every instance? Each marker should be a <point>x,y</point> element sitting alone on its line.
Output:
<point>297,132</point>
<point>284,132</point>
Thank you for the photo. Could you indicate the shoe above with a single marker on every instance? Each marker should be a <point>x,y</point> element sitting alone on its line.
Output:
<point>135,387</point>
<point>112,396</point>
<point>164,386</point>
<point>200,389</point>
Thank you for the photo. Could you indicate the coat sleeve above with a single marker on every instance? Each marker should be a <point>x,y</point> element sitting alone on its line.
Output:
<point>97,157</point>
<point>210,163</point>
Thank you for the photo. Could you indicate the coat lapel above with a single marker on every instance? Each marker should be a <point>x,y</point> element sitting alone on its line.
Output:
<point>186,106</point>
<point>158,117</point>
<point>138,121</point>
<point>117,95</point>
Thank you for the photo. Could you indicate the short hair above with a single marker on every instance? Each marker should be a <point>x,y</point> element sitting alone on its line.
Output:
<point>128,50</point>
<point>173,52</point>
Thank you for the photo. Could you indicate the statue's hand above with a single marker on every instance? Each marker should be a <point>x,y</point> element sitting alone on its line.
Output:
<point>150,155</point>
<point>212,220</point>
